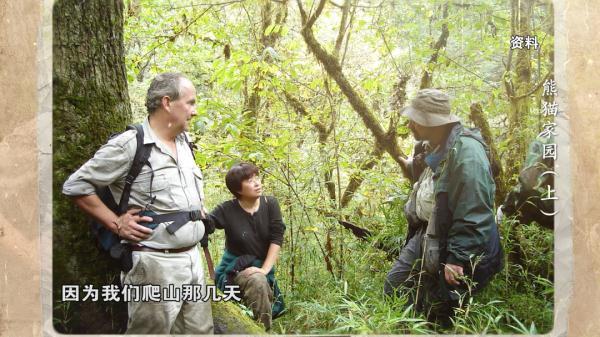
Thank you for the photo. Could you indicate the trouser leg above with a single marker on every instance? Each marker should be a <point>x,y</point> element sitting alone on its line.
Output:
<point>151,318</point>
<point>195,317</point>
<point>426,292</point>
<point>149,314</point>
<point>257,294</point>
<point>400,274</point>
<point>160,317</point>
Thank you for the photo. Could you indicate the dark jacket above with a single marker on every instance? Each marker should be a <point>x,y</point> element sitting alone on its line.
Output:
<point>464,204</point>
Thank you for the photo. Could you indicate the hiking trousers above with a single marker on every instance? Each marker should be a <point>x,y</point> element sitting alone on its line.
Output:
<point>168,316</point>
<point>258,295</point>
<point>402,273</point>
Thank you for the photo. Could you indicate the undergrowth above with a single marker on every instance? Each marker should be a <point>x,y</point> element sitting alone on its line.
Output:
<point>519,300</point>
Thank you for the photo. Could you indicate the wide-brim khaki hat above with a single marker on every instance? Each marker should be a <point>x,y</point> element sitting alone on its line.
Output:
<point>431,107</point>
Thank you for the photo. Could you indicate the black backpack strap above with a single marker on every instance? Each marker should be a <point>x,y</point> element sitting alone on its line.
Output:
<point>142,153</point>
<point>190,144</point>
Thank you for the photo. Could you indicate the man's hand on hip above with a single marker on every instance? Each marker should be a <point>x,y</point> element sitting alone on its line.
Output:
<point>128,226</point>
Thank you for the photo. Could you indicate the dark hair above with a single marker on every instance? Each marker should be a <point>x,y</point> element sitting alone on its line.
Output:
<point>237,174</point>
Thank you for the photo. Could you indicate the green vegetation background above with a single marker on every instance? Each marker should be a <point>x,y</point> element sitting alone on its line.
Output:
<point>265,97</point>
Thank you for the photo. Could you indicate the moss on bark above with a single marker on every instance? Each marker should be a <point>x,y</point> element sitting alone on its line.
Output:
<point>90,101</point>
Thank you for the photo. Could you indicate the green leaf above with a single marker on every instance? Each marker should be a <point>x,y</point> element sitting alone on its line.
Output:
<point>270,29</point>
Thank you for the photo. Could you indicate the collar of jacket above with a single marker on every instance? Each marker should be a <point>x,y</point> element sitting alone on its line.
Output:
<point>150,137</point>
<point>434,159</point>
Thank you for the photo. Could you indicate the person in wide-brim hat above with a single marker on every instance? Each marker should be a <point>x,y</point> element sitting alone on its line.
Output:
<point>430,108</point>
<point>450,215</point>
<point>430,116</point>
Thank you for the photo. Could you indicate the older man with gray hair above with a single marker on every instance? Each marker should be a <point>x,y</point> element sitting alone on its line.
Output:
<point>453,246</point>
<point>162,242</point>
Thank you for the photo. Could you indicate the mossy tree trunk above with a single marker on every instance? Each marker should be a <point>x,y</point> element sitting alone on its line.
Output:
<point>519,90</point>
<point>271,14</point>
<point>386,140</point>
<point>477,116</point>
<point>91,101</point>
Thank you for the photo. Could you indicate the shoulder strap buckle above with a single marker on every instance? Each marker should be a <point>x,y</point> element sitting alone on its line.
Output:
<point>195,215</point>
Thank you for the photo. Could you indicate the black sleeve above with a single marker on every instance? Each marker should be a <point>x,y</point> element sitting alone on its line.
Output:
<point>417,164</point>
<point>276,226</point>
<point>217,217</point>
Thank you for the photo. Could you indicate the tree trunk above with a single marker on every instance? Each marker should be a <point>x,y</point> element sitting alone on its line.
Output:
<point>91,101</point>
<point>270,16</point>
<point>478,118</point>
<point>522,11</point>
<point>518,93</point>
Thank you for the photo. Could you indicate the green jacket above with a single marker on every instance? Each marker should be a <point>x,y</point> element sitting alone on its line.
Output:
<point>462,171</point>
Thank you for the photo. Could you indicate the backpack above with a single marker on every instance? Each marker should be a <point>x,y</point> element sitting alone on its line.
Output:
<point>106,240</point>
<point>526,200</point>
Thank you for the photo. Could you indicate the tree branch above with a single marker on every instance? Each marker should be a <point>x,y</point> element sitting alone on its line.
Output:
<point>470,71</point>
<point>178,33</point>
<point>398,101</point>
<point>343,28</point>
<point>357,178</point>
<point>534,89</point>
<point>441,43</point>
<point>310,21</point>
<point>323,134</point>
<point>322,130</point>
<point>333,68</point>
<point>348,36</point>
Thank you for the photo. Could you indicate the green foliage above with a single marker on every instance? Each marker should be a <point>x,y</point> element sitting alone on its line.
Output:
<point>516,301</point>
<point>244,115</point>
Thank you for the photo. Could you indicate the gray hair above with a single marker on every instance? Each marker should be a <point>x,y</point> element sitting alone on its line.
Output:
<point>165,84</point>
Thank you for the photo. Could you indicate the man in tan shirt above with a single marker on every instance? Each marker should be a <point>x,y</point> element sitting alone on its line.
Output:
<point>171,184</point>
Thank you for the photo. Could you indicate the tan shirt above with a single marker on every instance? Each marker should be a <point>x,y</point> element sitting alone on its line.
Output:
<point>425,195</point>
<point>177,183</point>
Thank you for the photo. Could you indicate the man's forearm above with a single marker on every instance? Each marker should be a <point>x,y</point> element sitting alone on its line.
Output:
<point>93,206</point>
